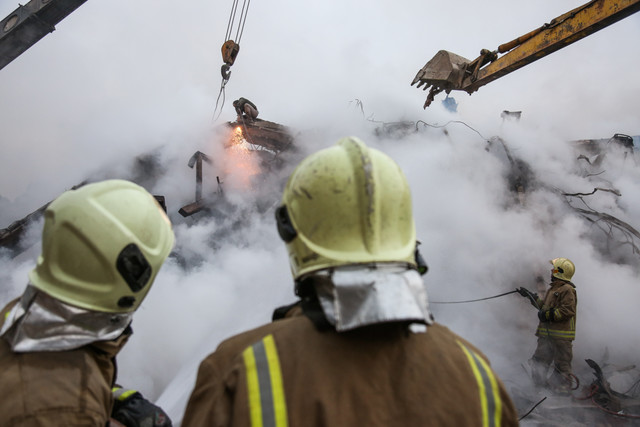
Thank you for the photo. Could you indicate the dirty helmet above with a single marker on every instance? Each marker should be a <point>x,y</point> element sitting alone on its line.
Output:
<point>345,205</point>
<point>102,246</point>
<point>563,269</point>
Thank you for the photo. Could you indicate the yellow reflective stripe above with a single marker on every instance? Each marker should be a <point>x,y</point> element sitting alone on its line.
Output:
<point>490,401</point>
<point>277,389</point>
<point>6,315</point>
<point>556,333</point>
<point>122,393</point>
<point>497,415</point>
<point>253,387</point>
<point>265,387</point>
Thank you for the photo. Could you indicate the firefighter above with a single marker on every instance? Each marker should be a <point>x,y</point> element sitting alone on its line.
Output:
<point>556,329</point>
<point>245,109</point>
<point>360,347</point>
<point>102,247</point>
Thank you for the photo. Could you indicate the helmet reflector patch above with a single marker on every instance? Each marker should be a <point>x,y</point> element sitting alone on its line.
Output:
<point>285,228</point>
<point>133,267</point>
<point>126,302</point>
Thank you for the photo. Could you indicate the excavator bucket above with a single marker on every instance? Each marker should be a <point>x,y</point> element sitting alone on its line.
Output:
<point>445,71</point>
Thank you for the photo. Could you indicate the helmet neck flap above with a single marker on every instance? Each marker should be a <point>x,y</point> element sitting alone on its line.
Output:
<point>39,322</point>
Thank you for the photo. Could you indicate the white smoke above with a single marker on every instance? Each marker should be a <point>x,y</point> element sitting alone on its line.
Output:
<point>121,79</point>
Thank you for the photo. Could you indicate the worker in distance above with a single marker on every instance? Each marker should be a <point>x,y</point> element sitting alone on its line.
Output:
<point>556,328</point>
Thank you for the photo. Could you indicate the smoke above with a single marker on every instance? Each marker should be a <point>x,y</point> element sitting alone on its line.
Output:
<point>120,80</point>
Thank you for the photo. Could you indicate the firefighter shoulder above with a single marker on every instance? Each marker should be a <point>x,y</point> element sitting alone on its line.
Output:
<point>360,347</point>
<point>102,247</point>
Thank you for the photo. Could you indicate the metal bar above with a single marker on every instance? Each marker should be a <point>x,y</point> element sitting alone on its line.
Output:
<point>26,25</point>
<point>199,178</point>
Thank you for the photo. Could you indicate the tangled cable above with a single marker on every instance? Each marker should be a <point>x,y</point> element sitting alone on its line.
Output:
<point>591,395</point>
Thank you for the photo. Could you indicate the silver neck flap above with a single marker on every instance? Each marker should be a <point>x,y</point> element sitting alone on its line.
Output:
<point>39,322</point>
<point>358,296</point>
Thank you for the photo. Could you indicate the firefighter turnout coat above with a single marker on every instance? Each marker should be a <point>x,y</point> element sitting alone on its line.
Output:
<point>57,388</point>
<point>561,302</point>
<point>288,373</point>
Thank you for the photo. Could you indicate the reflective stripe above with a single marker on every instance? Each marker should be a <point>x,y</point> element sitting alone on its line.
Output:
<point>546,332</point>
<point>121,394</point>
<point>267,403</point>
<point>488,386</point>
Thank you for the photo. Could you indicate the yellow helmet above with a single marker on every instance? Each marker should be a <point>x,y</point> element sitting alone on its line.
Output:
<point>347,204</point>
<point>102,246</point>
<point>563,269</point>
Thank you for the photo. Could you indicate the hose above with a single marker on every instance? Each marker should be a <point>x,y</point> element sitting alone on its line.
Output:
<point>577,381</point>
<point>471,300</point>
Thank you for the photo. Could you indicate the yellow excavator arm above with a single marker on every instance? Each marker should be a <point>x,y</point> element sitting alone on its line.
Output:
<point>447,71</point>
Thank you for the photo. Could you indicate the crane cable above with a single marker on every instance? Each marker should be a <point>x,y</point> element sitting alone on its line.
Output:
<point>241,22</point>
<point>226,73</point>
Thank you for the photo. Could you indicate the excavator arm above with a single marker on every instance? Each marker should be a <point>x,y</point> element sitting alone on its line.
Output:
<point>447,71</point>
<point>23,27</point>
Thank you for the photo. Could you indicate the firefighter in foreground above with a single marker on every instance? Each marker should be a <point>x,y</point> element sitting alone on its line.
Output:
<point>557,328</point>
<point>360,347</point>
<point>102,247</point>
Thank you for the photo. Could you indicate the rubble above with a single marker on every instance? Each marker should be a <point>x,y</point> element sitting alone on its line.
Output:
<point>267,140</point>
<point>595,404</point>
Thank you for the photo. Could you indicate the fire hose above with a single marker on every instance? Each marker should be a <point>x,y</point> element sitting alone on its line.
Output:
<point>472,300</point>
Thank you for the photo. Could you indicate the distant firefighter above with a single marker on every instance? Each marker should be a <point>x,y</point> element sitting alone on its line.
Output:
<point>557,328</point>
<point>246,107</point>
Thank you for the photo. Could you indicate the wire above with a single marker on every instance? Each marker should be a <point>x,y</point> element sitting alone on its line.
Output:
<point>608,411</point>
<point>531,410</point>
<point>243,19</point>
<point>451,121</point>
<point>239,30</point>
<point>472,300</point>
<point>223,94</point>
<point>227,35</point>
<point>593,389</point>
<point>632,387</point>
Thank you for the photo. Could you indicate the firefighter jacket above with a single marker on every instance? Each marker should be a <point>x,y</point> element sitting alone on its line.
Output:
<point>290,373</point>
<point>559,307</point>
<point>58,388</point>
